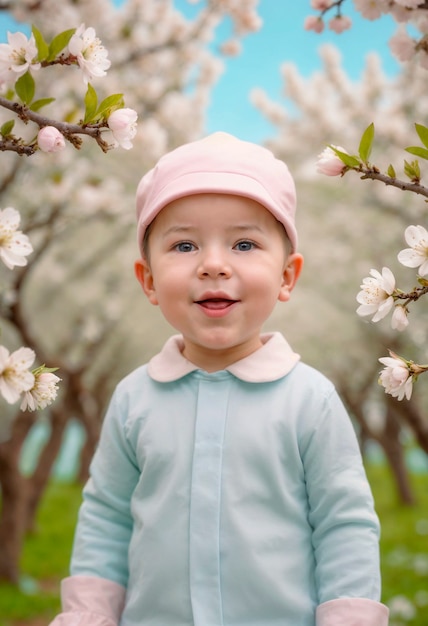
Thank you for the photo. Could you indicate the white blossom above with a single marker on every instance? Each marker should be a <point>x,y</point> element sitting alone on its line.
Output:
<point>396,377</point>
<point>89,52</point>
<point>17,56</point>
<point>401,607</point>
<point>399,320</point>
<point>15,375</point>
<point>123,125</point>
<point>14,245</point>
<point>376,295</point>
<point>417,254</point>
<point>42,393</point>
<point>329,163</point>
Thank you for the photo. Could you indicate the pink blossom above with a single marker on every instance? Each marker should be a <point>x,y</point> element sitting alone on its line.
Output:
<point>313,23</point>
<point>231,48</point>
<point>423,59</point>
<point>409,4</point>
<point>329,163</point>
<point>402,45</point>
<point>321,5</point>
<point>400,13</point>
<point>396,377</point>
<point>50,139</point>
<point>340,23</point>
<point>372,9</point>
<point>123,125</point>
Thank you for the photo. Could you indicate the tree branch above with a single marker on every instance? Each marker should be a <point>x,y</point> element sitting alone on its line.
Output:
<point>374,174</point>
<point>68,130</point>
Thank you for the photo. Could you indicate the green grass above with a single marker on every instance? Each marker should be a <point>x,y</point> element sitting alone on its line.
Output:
<point>44,560</point>
<point>404,549</point>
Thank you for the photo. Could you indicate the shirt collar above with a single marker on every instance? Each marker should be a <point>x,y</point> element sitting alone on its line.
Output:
<point>272,361</point>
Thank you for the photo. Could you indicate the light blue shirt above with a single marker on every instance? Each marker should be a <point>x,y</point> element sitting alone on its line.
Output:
<point>231,498</point>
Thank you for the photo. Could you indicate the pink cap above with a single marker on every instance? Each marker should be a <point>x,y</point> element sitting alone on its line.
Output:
<point>220,163</point>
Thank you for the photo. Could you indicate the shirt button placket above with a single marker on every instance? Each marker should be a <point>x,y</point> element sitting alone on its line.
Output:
<point>205,585</point>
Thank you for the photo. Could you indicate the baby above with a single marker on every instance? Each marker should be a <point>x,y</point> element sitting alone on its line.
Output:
<point>228,487</point>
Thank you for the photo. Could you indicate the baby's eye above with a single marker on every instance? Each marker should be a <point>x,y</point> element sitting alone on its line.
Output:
<point>244,246</point>
<point>184,246</point>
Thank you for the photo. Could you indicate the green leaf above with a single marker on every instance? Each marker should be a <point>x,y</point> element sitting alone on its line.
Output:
<point>366,143</point>
<point>423,134</point>
<point>347,159</point>
<point>25,88</point>
<point>7,127</point>
<point>91,102</point>
<point>42,369</point>
<point>38,104</point>
<point>391,171</point>
<point>418,151</point>
<point>10,94</point>
<point>110,104</point>
<point>412,170</point>
<point>42,46</point>
<point>59,42</point>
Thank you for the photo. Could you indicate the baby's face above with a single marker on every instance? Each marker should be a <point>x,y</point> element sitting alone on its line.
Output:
<point>218,264</point>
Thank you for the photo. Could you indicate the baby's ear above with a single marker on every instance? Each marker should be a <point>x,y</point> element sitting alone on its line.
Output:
<point>291,273</point>
<point>145,278</point>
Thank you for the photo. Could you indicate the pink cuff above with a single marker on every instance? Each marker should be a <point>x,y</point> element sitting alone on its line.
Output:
<point>352,612</point>
<point>90,601</point>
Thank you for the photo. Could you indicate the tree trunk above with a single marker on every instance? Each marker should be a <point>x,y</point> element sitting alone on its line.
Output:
<point>388,439</point>
<point>394,452</point>
<point>37,483</point>
<point>411,415</point>
<point>12,521</point>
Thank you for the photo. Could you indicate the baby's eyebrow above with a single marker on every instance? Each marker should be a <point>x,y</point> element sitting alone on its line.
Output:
<point>244,227</point>
<point>178,229</point>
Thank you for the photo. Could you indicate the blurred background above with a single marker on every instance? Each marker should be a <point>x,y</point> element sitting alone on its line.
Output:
<point>191,68</point>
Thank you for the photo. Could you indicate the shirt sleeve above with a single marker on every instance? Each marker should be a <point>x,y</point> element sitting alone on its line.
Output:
<point>352,612</point>
<point>345,525</point>
<point>90,601</point>
<point>105,522</point>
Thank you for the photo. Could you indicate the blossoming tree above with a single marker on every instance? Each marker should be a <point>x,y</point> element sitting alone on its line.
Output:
<point>379,294</point>
<point>78,203</point>
<point>347,230</point>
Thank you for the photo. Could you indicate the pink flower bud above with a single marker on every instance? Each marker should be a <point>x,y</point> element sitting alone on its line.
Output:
<point>123,125</point>
<point>321,5</point>
<point>329,163</point>
<point>340,23</point>
<point>50,139</point>
<point>314,23</point>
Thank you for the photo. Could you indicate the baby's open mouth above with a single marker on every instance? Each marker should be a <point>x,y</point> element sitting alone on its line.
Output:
<point>216,303</point>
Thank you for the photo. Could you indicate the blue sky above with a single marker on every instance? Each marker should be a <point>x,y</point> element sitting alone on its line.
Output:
<point>281,39</point>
